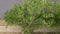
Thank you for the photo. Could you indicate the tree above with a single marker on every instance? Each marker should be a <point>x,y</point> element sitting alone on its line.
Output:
<point>32,14</point>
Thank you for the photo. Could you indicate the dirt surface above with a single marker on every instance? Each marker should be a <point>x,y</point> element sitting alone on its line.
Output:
<point>33,33</point>
<point>18,28</point>
<point>2,23</point>
<point>10,33</point>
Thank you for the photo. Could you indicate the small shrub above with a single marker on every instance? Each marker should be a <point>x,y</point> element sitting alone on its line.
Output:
<point>33,14</point>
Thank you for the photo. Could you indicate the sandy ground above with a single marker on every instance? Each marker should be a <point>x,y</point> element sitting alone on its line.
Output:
<point>17,29</point>
<point>9,33</point>
<point>4,28</point>
<point>2,23</point>
<point>9,29</point>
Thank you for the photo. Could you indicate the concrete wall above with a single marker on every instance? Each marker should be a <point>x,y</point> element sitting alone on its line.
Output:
<point>7,4</point>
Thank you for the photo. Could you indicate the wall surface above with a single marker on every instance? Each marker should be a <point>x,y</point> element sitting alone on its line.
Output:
<point>7,4</point>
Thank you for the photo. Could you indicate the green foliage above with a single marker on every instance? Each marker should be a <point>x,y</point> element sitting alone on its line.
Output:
<point>33,14</point>
<point>57,32</point>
